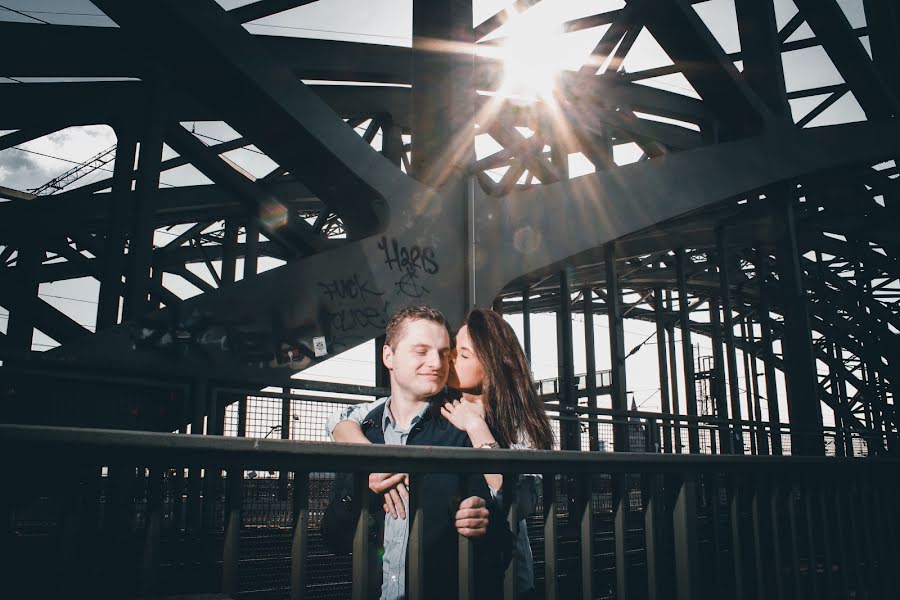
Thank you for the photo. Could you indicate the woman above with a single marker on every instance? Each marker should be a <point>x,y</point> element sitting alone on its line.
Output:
<point>498,407</point>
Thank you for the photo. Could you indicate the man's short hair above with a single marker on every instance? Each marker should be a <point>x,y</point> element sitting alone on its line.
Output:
<point>417,312</point>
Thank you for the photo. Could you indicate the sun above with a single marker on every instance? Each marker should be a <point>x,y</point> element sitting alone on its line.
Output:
<point>531,56</point>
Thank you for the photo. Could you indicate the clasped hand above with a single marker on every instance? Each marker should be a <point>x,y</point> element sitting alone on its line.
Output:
<point>471,519</point>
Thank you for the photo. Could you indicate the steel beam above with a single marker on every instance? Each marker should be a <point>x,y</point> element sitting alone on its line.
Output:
<point>662,366</point>
<point>114,258</point>
<point>883,21</point>
<point>717,383</point>
<point>140,254</point>
<point>570,433</point>
<point>612,205</point>
<point>837,37</point>
<point>761,53</point>
<point>699,56</point>
<point>800,373</point>
<point>723,258</point>
<point>590,363</point>
<point>289,123</point>
<point>618,396</point>
<point>264,8</point>
<point>687,352</point>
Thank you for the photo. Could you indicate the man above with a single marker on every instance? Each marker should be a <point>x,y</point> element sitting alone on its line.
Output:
<point>417,354</point>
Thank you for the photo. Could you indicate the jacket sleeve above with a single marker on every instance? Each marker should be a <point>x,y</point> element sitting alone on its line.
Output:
<point>356,413</point>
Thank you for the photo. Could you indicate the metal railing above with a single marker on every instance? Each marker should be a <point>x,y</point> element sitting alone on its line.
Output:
<point>622,525</point>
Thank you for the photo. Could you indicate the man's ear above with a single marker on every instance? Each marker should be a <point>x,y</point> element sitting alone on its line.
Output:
<point>387,357</point>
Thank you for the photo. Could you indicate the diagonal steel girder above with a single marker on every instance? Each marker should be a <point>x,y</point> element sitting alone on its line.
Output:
<point>533,231</point>
<point>210,56</point>
<point>345,295</point>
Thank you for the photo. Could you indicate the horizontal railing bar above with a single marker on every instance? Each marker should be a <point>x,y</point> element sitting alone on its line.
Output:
<point>142,381</point>
<point>26,443</point>
<point>283,396</point>
<point>624,414</point>
<point>58,368</point>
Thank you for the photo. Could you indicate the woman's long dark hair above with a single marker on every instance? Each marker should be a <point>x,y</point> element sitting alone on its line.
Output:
<point>510,402</point>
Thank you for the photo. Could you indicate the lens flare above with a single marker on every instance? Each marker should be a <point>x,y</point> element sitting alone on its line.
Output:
<point>531,61</point>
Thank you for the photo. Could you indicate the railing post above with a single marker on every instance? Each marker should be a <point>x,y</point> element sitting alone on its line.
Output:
<point>777,539</point>
<point>711,495</point>
<point>821,493</point>
<point>794,525</point>
<point>761,538</point>
<point>360,585</point>
<point>843,539</point>
<point>511,501</point>
<point>809,508</point>
<point>231,548</point>
<point>300,537</point>
<point>738,540</point>
<point>69,531</point>
<point>152,531</point>
<point>551,591</point>
<point>684,524</point>
<point>619,482</point>
<point>652,534</point>
<point>585,517</point>
<point>466,590</point>
<point>415,560</point>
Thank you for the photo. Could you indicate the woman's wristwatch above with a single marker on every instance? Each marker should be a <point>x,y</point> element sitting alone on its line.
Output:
<point>489,445</point>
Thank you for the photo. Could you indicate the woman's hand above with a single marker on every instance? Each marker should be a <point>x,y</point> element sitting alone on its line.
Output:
<point>394,486</point>
<point>465,416</point>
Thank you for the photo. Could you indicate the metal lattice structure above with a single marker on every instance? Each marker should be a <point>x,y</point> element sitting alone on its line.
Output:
<point>737,200</point>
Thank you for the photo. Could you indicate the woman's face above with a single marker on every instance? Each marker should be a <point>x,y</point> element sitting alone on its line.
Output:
<point>466,374</point>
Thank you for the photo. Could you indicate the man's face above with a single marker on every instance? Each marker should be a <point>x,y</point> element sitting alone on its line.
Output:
<point>420,359</point>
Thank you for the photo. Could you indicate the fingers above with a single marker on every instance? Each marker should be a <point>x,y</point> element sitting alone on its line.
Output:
<point>398,504</point>
<point>472,502</point>
<point>471,533</point>
<point>381,482</point>
<point>404,493</point>
<point>472,522</point>
<point>389,506</point>
<point>472,517</point>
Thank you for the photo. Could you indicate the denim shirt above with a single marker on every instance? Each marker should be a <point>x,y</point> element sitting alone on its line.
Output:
<point>396,531</point>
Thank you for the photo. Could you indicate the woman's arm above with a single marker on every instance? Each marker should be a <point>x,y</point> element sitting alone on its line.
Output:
<point>345,426</point>
<point>469,417</point>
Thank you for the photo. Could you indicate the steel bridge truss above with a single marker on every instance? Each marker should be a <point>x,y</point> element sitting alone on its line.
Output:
<point>377,199</point>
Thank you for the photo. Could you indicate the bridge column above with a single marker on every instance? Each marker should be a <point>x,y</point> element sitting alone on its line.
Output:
<point>443,119</point>
<point>662,361</point>
<point>724,261</point>
<point>140,252</point>
<point>569,432</point>
<point>616,348</point>
<point>765,324</point>
<point>526,323</point>
<point>800,363</point>
<point>673,370</point>
<point>20,328</point>
<point>590,362</point>
<point>114,258</point>
<point>717,384</point>
<point>687,351</point>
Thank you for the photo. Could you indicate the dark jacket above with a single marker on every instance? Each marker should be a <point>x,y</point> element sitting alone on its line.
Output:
<point>440,494</point>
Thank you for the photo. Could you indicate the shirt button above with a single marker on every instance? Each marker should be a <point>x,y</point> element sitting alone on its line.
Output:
<point>393,578</point>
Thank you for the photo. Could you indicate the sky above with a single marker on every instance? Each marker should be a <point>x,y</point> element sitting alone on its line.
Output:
<point>389,22</point>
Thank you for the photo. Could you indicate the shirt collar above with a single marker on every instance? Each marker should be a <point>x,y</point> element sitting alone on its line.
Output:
<point>387,418</point>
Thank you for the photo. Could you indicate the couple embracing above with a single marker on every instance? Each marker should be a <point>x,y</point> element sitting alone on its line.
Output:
<point>497,408</point>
